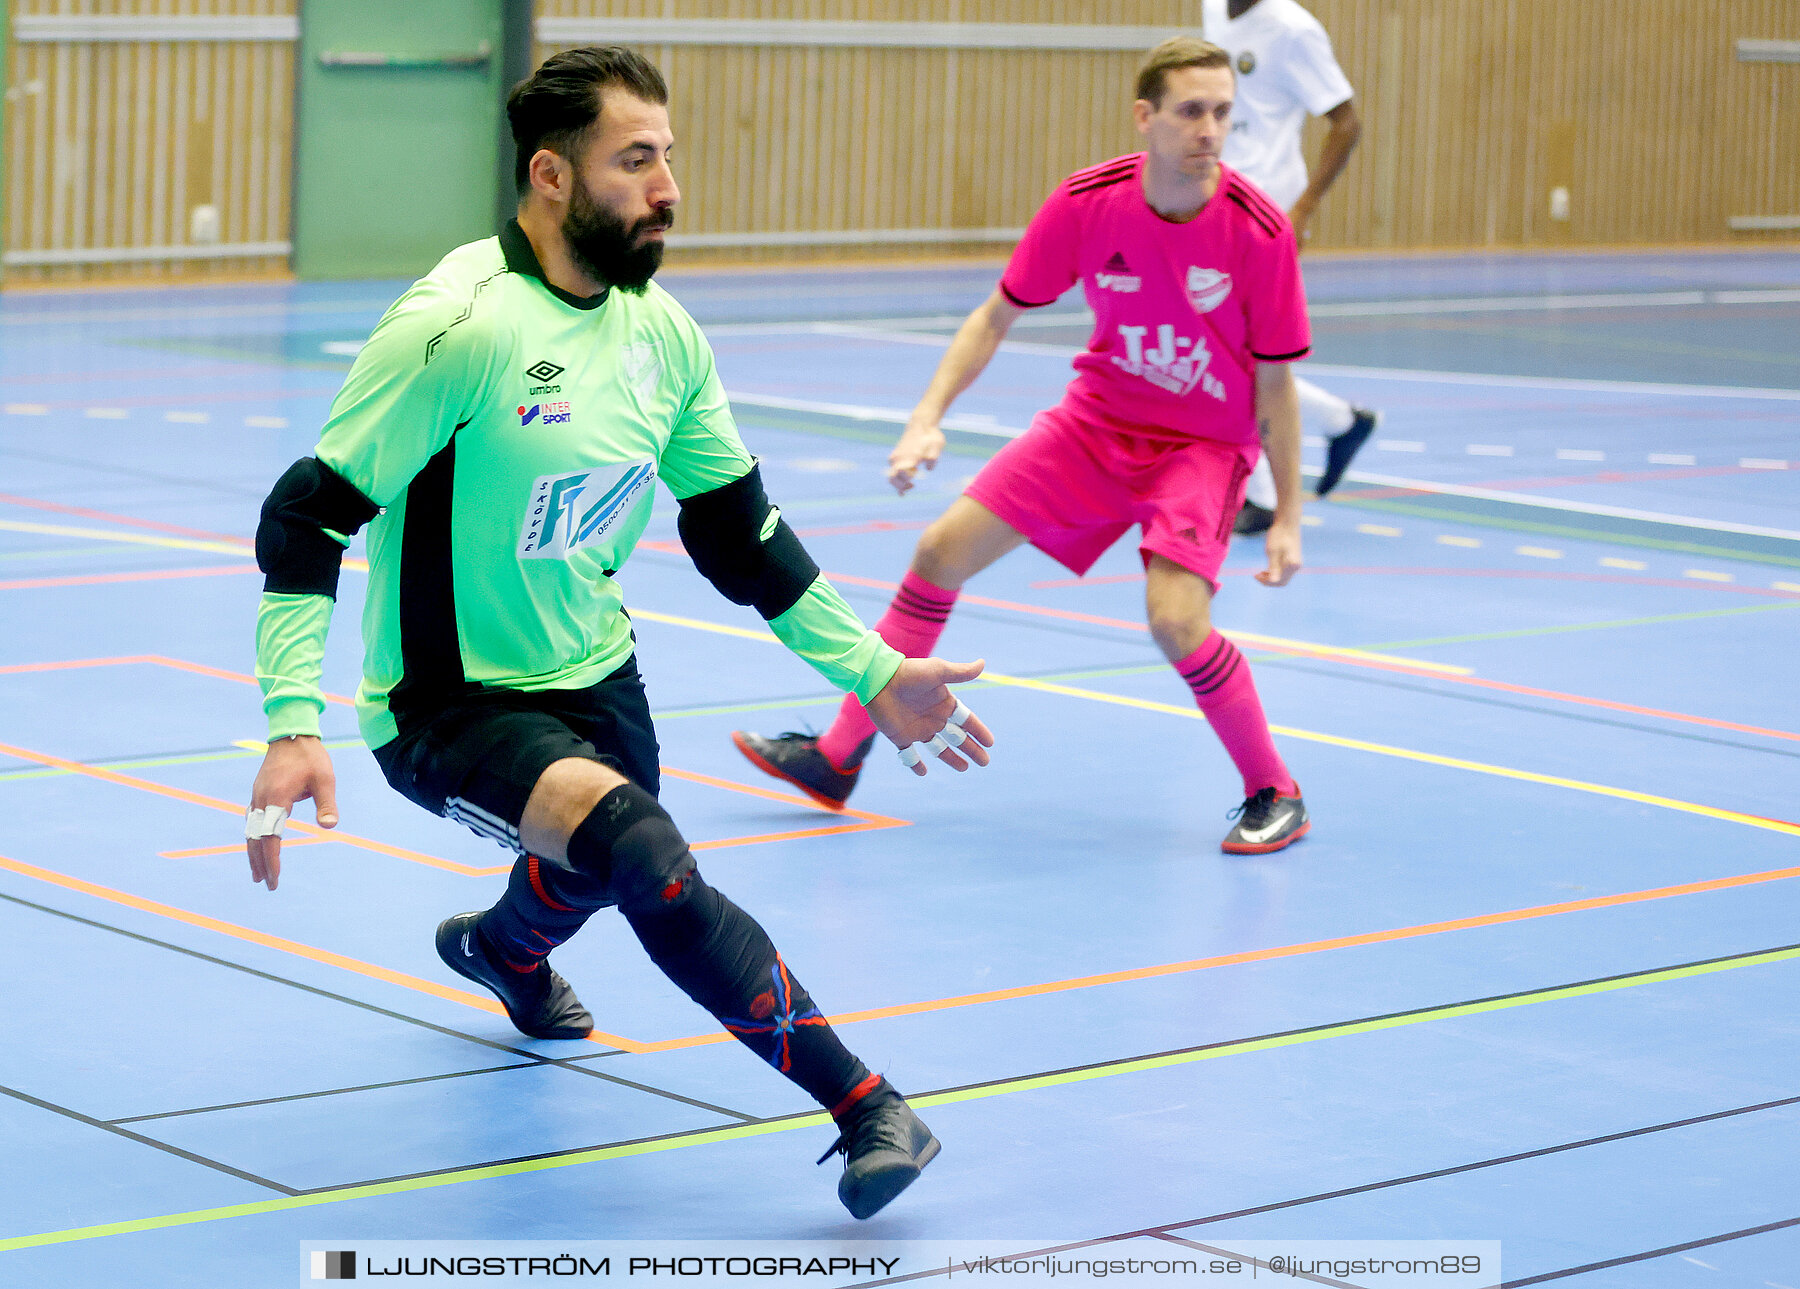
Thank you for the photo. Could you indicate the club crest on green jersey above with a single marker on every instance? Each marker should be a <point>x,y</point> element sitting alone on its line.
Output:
<point>642,367</point>
<point>581,508</point>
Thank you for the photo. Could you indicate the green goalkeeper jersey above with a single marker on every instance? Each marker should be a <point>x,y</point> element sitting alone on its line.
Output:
<point>513,435</point>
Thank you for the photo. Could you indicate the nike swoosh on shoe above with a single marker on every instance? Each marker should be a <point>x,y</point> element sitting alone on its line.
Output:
<point>1268,830</point>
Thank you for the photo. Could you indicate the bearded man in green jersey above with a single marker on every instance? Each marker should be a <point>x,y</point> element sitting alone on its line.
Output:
<point>500,434</point>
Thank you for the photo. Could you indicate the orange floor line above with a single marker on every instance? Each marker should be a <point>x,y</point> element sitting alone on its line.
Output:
<point>72,664</point>
<point>202,852</point>
<point>233,808</point>
<point>1271,954</point>
<point>294,947</point>
<point>243,678</point>
<point>727,842</point>
<point>788,798</point>
<point>148,575</point>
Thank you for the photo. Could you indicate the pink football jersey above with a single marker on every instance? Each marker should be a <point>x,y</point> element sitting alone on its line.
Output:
<point>1182,312</point>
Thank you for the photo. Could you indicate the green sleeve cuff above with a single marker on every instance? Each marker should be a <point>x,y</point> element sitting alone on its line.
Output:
<point>825,632</point>
<point>292,716</point>
<point>290,656</point>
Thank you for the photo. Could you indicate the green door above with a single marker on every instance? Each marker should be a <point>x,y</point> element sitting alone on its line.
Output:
<point>399,128</point>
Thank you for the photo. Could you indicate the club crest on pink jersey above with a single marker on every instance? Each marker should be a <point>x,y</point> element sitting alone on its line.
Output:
<point>1207,288</point>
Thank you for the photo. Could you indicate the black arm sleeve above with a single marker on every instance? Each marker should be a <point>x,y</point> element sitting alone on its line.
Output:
<point>722,531</point>
<point>293,549</point>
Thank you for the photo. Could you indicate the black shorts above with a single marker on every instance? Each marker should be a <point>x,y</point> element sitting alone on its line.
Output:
<point>476,758</point>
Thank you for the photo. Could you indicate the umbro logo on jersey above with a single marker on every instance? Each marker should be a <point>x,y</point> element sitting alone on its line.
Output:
<point>1116,275</point>
<point>553,413</point>
<point>543,372</point>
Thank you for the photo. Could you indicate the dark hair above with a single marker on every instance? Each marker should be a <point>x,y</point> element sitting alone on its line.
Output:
<point>1173,54</point>
<point>555,105</point>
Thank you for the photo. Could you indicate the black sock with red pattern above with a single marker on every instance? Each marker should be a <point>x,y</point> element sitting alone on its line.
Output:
<point>543,906</point>
<point>711,948</point>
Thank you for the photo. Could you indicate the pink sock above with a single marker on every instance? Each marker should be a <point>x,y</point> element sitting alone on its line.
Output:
<point>912,624</point>
<point>1220,679</point>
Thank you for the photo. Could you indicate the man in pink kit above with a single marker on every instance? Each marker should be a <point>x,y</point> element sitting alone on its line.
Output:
<point>1194,279</point>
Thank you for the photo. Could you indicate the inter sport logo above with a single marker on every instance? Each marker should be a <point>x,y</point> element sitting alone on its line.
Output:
<point>554,413</point>
<point>567,512</point>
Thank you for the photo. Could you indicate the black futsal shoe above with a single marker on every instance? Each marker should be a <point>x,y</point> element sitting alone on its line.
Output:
<point>885,1147</point>
<point>1341,449</point>
<point>1266,822</point>
<point>1252,519</point>
<point>795,758</point>
<point>539,1003</point>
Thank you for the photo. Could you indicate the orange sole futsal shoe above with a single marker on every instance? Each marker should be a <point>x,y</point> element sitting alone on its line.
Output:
<point>796,759</point>
<point>1267,822</point>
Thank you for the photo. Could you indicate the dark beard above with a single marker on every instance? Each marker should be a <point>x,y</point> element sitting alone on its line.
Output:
<point>606,249</point>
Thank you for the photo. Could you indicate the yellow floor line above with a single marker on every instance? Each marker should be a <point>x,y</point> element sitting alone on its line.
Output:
<point>1313,736</point>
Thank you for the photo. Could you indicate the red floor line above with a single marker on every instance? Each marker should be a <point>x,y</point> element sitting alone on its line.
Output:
<point>1369,664</point>
<point>192,398</point>
<point>155,525</point>
<point>873,526</point>
<point>127,373</point>
<point>1523,574</point>
<point>1564,480</point>
<point>154,660</point>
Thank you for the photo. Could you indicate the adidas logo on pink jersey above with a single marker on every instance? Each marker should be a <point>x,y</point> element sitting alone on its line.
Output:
<point>1116,275</point>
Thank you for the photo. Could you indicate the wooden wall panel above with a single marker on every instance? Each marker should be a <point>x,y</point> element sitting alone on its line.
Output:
<point>1473,111</point>
<point>112,143</point>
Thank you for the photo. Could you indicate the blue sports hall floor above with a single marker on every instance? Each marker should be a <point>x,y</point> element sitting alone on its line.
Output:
<point>1533,977</point>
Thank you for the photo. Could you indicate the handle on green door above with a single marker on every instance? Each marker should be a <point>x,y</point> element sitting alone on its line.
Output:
<point>477,58</point>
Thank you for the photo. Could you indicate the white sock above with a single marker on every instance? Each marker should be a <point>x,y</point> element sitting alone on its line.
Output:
<point>1260,490</point>
<point>1322,413</point>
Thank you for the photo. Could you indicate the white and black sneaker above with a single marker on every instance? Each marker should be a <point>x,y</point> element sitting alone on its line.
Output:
<point>539,1003</point>
<point>1252,519</point>
<point>1341,449</point>
<point>1266,822</point>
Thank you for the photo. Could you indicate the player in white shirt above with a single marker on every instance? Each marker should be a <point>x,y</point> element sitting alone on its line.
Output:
<point>1285,73</point>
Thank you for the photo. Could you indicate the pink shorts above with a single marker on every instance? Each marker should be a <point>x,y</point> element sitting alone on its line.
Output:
<point>1072,488</point>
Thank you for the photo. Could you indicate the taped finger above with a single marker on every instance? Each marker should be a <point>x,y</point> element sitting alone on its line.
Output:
<point>264,822</point>
<point>910,755</point>
<point>960,716</point>
<point>953,735</point>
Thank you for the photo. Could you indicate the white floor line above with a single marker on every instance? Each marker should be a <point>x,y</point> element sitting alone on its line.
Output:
<point>1579,507</point>
<point>971,423</point>
<point>1378,308</point>
<point>877,333</point>
<point>1551,382</point>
